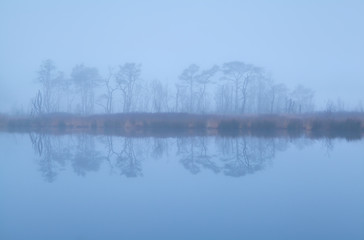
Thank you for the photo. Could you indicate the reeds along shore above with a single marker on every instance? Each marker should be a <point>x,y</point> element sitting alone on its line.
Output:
<point>346,125</point>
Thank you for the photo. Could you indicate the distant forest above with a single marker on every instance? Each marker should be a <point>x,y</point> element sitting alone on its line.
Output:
<point>231,88</point>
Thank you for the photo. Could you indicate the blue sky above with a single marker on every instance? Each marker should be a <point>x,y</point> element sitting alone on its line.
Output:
<point>316,43</point>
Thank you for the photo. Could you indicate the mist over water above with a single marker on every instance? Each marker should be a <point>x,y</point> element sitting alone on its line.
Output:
<point>316,44</point>
<point>181,120</point>
<point>93,187</point>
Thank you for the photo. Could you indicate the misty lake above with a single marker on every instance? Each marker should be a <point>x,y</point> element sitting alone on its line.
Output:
<point>107,187</point>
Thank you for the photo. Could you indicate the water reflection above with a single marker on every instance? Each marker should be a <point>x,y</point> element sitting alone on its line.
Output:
<point>85,157</point>
<point>231,156</point>
<point>197,187</point>
<point>52,153</point>
<point>194,155</point>
<point>243,156</point>
<point>123,156</point>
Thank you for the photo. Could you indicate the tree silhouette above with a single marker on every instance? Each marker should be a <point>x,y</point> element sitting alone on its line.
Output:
<point>85,79</point>
<point>50,79</point>
<point>241,76</point>
<point>126,78</point>
<point>86,158</point>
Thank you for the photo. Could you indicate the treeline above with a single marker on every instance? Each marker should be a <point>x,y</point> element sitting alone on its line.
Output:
<point>232,88</point>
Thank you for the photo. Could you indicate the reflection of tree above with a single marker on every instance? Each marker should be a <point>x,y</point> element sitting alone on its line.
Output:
<point>127,161</point>
<point>281,144</point>
<point>109,150</point>
<point>243,156</point>
<point>232,156</point>
<point>159,147</point>
<point>122,155</point>
<point>51,154</point>
<point>86,158</point>
<point>328,145</point>
<point>236,156</point>
<point>194,154</point>
<point>302,143</point>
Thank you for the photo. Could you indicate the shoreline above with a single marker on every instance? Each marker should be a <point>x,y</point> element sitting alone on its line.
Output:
<point>314,125</point>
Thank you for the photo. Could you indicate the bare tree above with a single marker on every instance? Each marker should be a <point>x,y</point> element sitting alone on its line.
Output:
<point>126,78</point>
<point>108,96</point>
<point>196,83</point>
<point>302,99</point>
<point>189,77</point>
<point>330,107</point>
<point>85,79</point>
<point>141,97</point>
<point>240,75</point>
<point>203,80</point>
<point>278,93</point>
<point>260,96</point>
<point>159,96</point>
<point>224,98</point>
<point>65,94</point>
<point>182,99</point>
<point>49,78</point>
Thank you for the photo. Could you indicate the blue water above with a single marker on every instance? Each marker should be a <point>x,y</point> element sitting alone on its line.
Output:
<point>94,187</point>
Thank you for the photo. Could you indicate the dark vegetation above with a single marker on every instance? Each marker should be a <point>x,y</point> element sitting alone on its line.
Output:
<point>233,87</point>
<point>231,99</point>
<point>319,125</point>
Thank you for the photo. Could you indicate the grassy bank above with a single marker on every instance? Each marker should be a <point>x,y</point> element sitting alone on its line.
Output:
<point>346,125</point>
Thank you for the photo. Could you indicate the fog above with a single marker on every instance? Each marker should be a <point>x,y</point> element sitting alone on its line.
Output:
<point>319,45</point>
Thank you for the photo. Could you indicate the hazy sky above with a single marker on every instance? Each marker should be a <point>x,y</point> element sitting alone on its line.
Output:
<point>317,43</point>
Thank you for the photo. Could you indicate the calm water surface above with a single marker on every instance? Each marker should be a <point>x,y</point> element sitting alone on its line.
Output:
<point>100,187</point>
